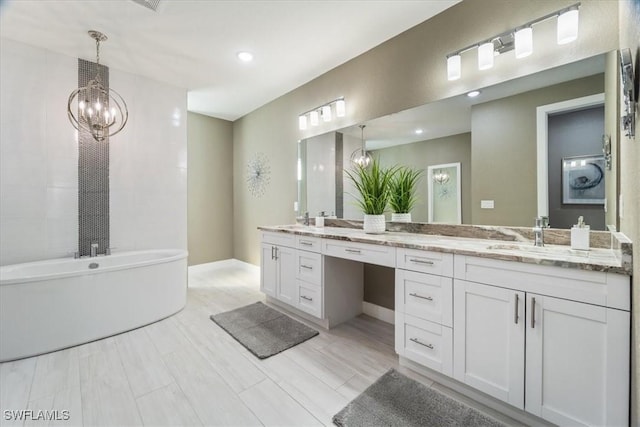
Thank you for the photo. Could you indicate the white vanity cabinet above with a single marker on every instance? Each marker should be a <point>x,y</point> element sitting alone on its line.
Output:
<point>424,308</point>
<point>278,267</point>
<point>549,340</point>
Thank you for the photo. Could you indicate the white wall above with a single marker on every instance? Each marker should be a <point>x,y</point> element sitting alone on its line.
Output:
<point>39,154</point>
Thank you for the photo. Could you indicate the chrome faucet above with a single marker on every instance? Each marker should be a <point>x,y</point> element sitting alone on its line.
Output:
<point>94,250</point>
<point>306,218</point>
<point>538,232</point>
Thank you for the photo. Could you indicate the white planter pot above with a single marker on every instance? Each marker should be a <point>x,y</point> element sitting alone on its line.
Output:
<point>401,217</point>
<point>374,224</point>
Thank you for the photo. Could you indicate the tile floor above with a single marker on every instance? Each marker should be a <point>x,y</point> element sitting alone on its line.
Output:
<point>186,371</point>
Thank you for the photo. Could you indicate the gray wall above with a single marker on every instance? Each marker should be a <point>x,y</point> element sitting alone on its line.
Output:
<point>503,150</point>
<point>577,133</point>
<point>210,189</point>
<point>421,155</point>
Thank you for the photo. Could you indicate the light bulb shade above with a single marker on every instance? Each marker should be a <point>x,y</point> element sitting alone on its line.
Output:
<point>326,113</point>
<point>568,26</point>
<point>302,122</point>
<point>313,118</point>
<point>524,42</point>
<point>485,56</point>
<point>454,67</point>
<point>341,108</point>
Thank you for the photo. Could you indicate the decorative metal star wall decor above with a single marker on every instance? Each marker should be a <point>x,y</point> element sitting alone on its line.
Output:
<point>258,174</point>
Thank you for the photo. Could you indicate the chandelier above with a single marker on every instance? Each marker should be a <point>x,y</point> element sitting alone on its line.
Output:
<point>441,177</point>
<point>98,110</point>
<point>361,157</point>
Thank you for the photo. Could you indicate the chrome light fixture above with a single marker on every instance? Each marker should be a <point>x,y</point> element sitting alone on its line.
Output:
<point>95,108</point>
<point>519,38</point>
<point>441,177</point>
<point>325,111</point>
<point>361,157</point>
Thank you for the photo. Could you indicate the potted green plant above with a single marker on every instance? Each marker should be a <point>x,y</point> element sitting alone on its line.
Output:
<point>373,185</point>
<point>403,193</point>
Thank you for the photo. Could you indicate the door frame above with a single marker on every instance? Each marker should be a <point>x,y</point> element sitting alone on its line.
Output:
<point>542,140</point>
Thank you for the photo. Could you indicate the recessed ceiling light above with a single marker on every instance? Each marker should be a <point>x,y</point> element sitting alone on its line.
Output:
<point>419,131</point>
<point>473,93</point>
<point>245,56</point>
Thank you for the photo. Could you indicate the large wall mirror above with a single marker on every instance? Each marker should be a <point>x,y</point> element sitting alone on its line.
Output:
<point>500,144</point>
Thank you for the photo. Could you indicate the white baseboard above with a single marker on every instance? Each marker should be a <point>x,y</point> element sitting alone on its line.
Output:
<point>225,263</point>
<point>378,312</point>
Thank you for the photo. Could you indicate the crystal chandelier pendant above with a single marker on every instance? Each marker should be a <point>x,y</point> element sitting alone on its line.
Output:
<point>94,108</point>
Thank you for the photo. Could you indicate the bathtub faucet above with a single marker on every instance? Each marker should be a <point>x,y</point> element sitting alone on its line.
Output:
<point>94,250</point>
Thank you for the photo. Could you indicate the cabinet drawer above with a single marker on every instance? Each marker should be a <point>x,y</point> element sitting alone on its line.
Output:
<point>439,263</point>
<point>592,287</point>
<point>425,296</point>
<point>306,243</point>
<point>424,342</point>
<point>310,298</point>
<point>284,239</point>
<point>309,267</point>
<point>363,252</point>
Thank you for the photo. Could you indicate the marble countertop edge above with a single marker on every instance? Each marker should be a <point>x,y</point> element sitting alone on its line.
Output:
<point>616,260</point>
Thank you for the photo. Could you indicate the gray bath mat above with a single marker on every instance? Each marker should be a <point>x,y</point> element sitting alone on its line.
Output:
<point>395,400</point>
<point>263,330</point>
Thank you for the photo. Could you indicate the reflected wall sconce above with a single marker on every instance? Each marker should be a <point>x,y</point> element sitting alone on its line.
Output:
<point>325,111</point>
<point>519,39</point>
<point>441,177</point>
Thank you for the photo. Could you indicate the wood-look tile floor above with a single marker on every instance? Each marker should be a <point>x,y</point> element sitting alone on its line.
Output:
<point>186,371</point>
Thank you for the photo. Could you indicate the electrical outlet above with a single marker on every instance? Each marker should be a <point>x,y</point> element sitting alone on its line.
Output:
<point>486,204</point>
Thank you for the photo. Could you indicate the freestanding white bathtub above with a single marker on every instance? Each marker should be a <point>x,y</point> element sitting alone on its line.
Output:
<point>54,304</point>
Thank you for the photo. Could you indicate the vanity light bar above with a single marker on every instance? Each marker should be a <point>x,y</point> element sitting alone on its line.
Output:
<point>519,38</point>
<point>325,111</point>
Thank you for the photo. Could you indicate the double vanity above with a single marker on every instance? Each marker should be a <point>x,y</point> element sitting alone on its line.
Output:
<point>544,329</point>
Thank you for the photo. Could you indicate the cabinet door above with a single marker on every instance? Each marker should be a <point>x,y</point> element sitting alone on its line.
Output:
<point>577,362</point>
<point>488,349</point>
<point>268,270</point>
<point>287,290</point>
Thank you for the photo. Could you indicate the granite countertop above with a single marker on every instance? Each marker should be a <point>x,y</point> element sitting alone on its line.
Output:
<point>596,259</point>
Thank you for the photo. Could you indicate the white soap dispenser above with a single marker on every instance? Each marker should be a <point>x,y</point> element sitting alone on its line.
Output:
<point>580,235</point>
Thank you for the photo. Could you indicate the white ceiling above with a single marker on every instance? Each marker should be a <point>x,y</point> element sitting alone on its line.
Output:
<point>193,43</point>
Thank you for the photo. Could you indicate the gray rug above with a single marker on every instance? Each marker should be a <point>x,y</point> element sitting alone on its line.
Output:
<point>395,400</point>
<point>263,330</point>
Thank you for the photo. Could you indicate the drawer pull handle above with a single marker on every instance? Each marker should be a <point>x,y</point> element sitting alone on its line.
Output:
<point>308,267</point>
<point>304,242</point>
<point>420,296</point>
<point>306,297</point>
<point>421,261</point>
<point>417,341</point>
<point>515,311</point>
<point>533,313</point>
<point>353,251</point>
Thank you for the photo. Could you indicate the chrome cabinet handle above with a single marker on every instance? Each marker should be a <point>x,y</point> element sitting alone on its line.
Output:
<point>306,297</point>
<point>420,296</point>
<point>533,312</point>
<point>515,311</point>
<point>421,261</point>
<point>417,341</point>
<point>353,251</point>
<point>304,242</point>
<point>272,256</point>
<point>308,267</point>
<point>276,252</point>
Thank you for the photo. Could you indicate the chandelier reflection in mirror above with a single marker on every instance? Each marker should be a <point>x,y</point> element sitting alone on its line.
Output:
<point>361,157</point>
<point>441,177</point>
<point>95,108</point>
